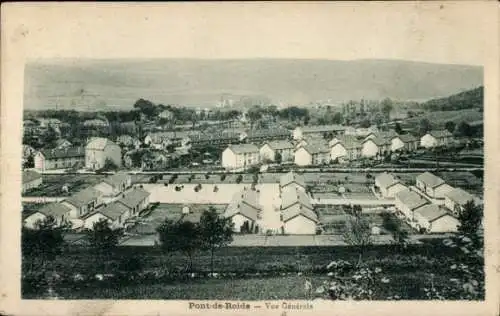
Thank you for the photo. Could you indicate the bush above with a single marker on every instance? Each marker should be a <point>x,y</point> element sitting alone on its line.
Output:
<point>207,176</point>
<point>239,179</point>
<point>222,177</point>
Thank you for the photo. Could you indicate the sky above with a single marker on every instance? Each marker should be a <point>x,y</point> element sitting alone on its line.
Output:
<point>431,32</point>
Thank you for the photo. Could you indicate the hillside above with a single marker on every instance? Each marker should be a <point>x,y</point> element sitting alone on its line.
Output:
<point>117,84</point>
<point>471,99</point>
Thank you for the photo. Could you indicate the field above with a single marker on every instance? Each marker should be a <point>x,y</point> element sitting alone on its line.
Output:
<point>245,272</point>
<point>53,183</point>
<point>439,118</point>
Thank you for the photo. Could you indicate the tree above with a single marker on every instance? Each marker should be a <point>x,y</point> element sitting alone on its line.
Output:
<point>357,233</point>
<point>239,179</point>
<point>30,162</point>
<point>365,123</point>
<point>183,236</point>
<point>393,225</point>
<point>278,158</point>
<point>424,126</point>
<point>464,129</point>
<point>109,165</point>
<point>103,238</point>
<point>470,219</point>
<point>146,107</point>
<point>216,232</point>
<point>49,137</point>
<point>450,126</point>
<point>387,106</point>
<point>398,129</point>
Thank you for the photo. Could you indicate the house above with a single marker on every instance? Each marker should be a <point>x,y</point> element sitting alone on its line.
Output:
<point>83,202</point>
<point>240,156</point>
<point>271,149</point>
<point>436,139</point>
<point>64,158</point>
<point>292,178</point>
<point>382,134</point>
<point>262,135</point>
<point>345,147</point>
<point>49,122</point>
<point>360,131</point>
<point>63,143</point>
<point>135,200</point>
<point>299,220</point>
<point>115,214</point>
<point>312,154</point>
<point>406,201</point>
<point>99,150</point>
<point>31,179</point>
<point>156,160</point>
<point>432,185</point>
<point>376,146</point>
<point>431,218</point>
<point>294,194</point>
<point>160,140</point>
<point>166,114</point>
<point>319,130</point>
<point>59,212</point>
<point>115,184</point>
<point>102,123</point>
<point>456,198</point>
<point>310,139</point>
<point>128,141</point>
<point>244,210</point>
<point>388,185</point>
<point>405,142</point>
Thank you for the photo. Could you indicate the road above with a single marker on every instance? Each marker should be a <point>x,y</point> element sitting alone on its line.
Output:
<point>352,201</point>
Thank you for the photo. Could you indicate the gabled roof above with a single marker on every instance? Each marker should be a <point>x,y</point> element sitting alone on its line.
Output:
<point>386,180</point>
<point>113,210</point>
<point>61,142</point>
<point>431,212</point>
<point>246,203</point>
<point>460,196</point>
<point>54,210</point>
<point>215,136</point>
<point>297,210</point>
<point>316,148</point>
<point>322,128</point>
<point>83,197</point>
<point>379,141</point>
<point>430,180</point>
<point>406,138</point>
<point>292,177</point>
<point>133,198</point>
<point>117,179</point>
<point>99,143</point>
<point>244,148</point>
<point>243,209</point>
<point>440,133</point>
<point>411,199</point>
<point>279,144</point>
<point>268,132</point>
<point>29,175</point>
<point>348,141</point>
<point>71,152</point>
<point>291,195</point>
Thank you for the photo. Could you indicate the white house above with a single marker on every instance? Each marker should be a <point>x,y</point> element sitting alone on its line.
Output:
<point>299,220</point>
<point>433,219</point>
<point>96,123</point>
<point>244,209</point>
<point>98,150</point>
<point>456,198</point>
<point>31,179</point>
<point>375,146</point>
<point>135,200</point>
<point>388,185</point>
<point>115,214</point>
<point>64,158</point>
<point>312,154</point>
<point>166,114</point>
<point>292,178</point>
<point>59,212</point>
<point>270,149</point>
<point>432,185</point>
<point>128,141</point>
<point>345,147</point>
<point>115,184</point>
<point>63,143</point>
<point>406,142</point>
<point>407,201</point>
<point>83,202</point>
<point>436,139</point>
<point>240,156</point>
<point>294,194</point>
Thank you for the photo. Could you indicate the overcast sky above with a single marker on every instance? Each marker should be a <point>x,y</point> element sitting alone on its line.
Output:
<point>424,32</point>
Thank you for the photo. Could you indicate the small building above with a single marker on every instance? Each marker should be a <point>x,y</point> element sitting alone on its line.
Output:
<point>115,214</point>
<point>312,154</point>
<point>318,130</point>
<point>259,136</point>
<point>294,194</point>
<point>99,150</point>
<point>436,139</point>
<point>299,220</point>
<point>240,156</point>
<point>64,158</point>
<point>405,142</point>
<point>135,200</point>
<point>292,178</point>
<point>128,141</point>
<point>160,140</point>
<point>59,212</point>
<point>115,184</point>
<point>96,123</point>
<point>244,210</point>
<point>49,122</point>
<point>388,185</point>
<point>271,149</point>
<point>345,147</point>
<point>360,131</point>
<point>407,201</point>
<point>382,134</point>
<point>63,143</point>
<point>433,186</point>
<point>31,180</point>
<point>456,198</point>
<point>166,114</point>
<point>310,139</point>
<point>83,202</point>
<point>433,219</point>
<point>375,146</point>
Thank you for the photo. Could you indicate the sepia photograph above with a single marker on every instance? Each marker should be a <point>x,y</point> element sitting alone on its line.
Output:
<point>250,178</point>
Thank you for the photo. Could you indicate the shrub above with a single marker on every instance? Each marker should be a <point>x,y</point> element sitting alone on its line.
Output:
<point>239,179</point>
<point>207,176</point>
<point>222,177</point>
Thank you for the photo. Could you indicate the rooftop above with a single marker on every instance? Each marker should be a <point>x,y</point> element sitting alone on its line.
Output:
<point>29,175</point>
<point>297,210</point>
<point>292,177</point>
<point>322,128</point>
<point>440,133</point>
<point>431,212</point>
<point>291,195</point>
<point>113,211</point>
<point>460,196</point>
<point>280,144</point>
<point>411,199</point>
<point>54,210</point>
<point>133,198</point>
<point>386,180</point>
<point>244,148</point>
<point>117,179</point>
<point>430,180</point>
<point>83,197</point>
<point>99,143</point>
<point>71,152</point>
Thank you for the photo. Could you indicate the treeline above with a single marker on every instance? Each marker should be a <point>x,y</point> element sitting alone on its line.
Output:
<point>464,100</point>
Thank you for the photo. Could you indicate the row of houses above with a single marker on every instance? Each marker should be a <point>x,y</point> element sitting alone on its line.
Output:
<point>431,205</point>
<point>113,199</point>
